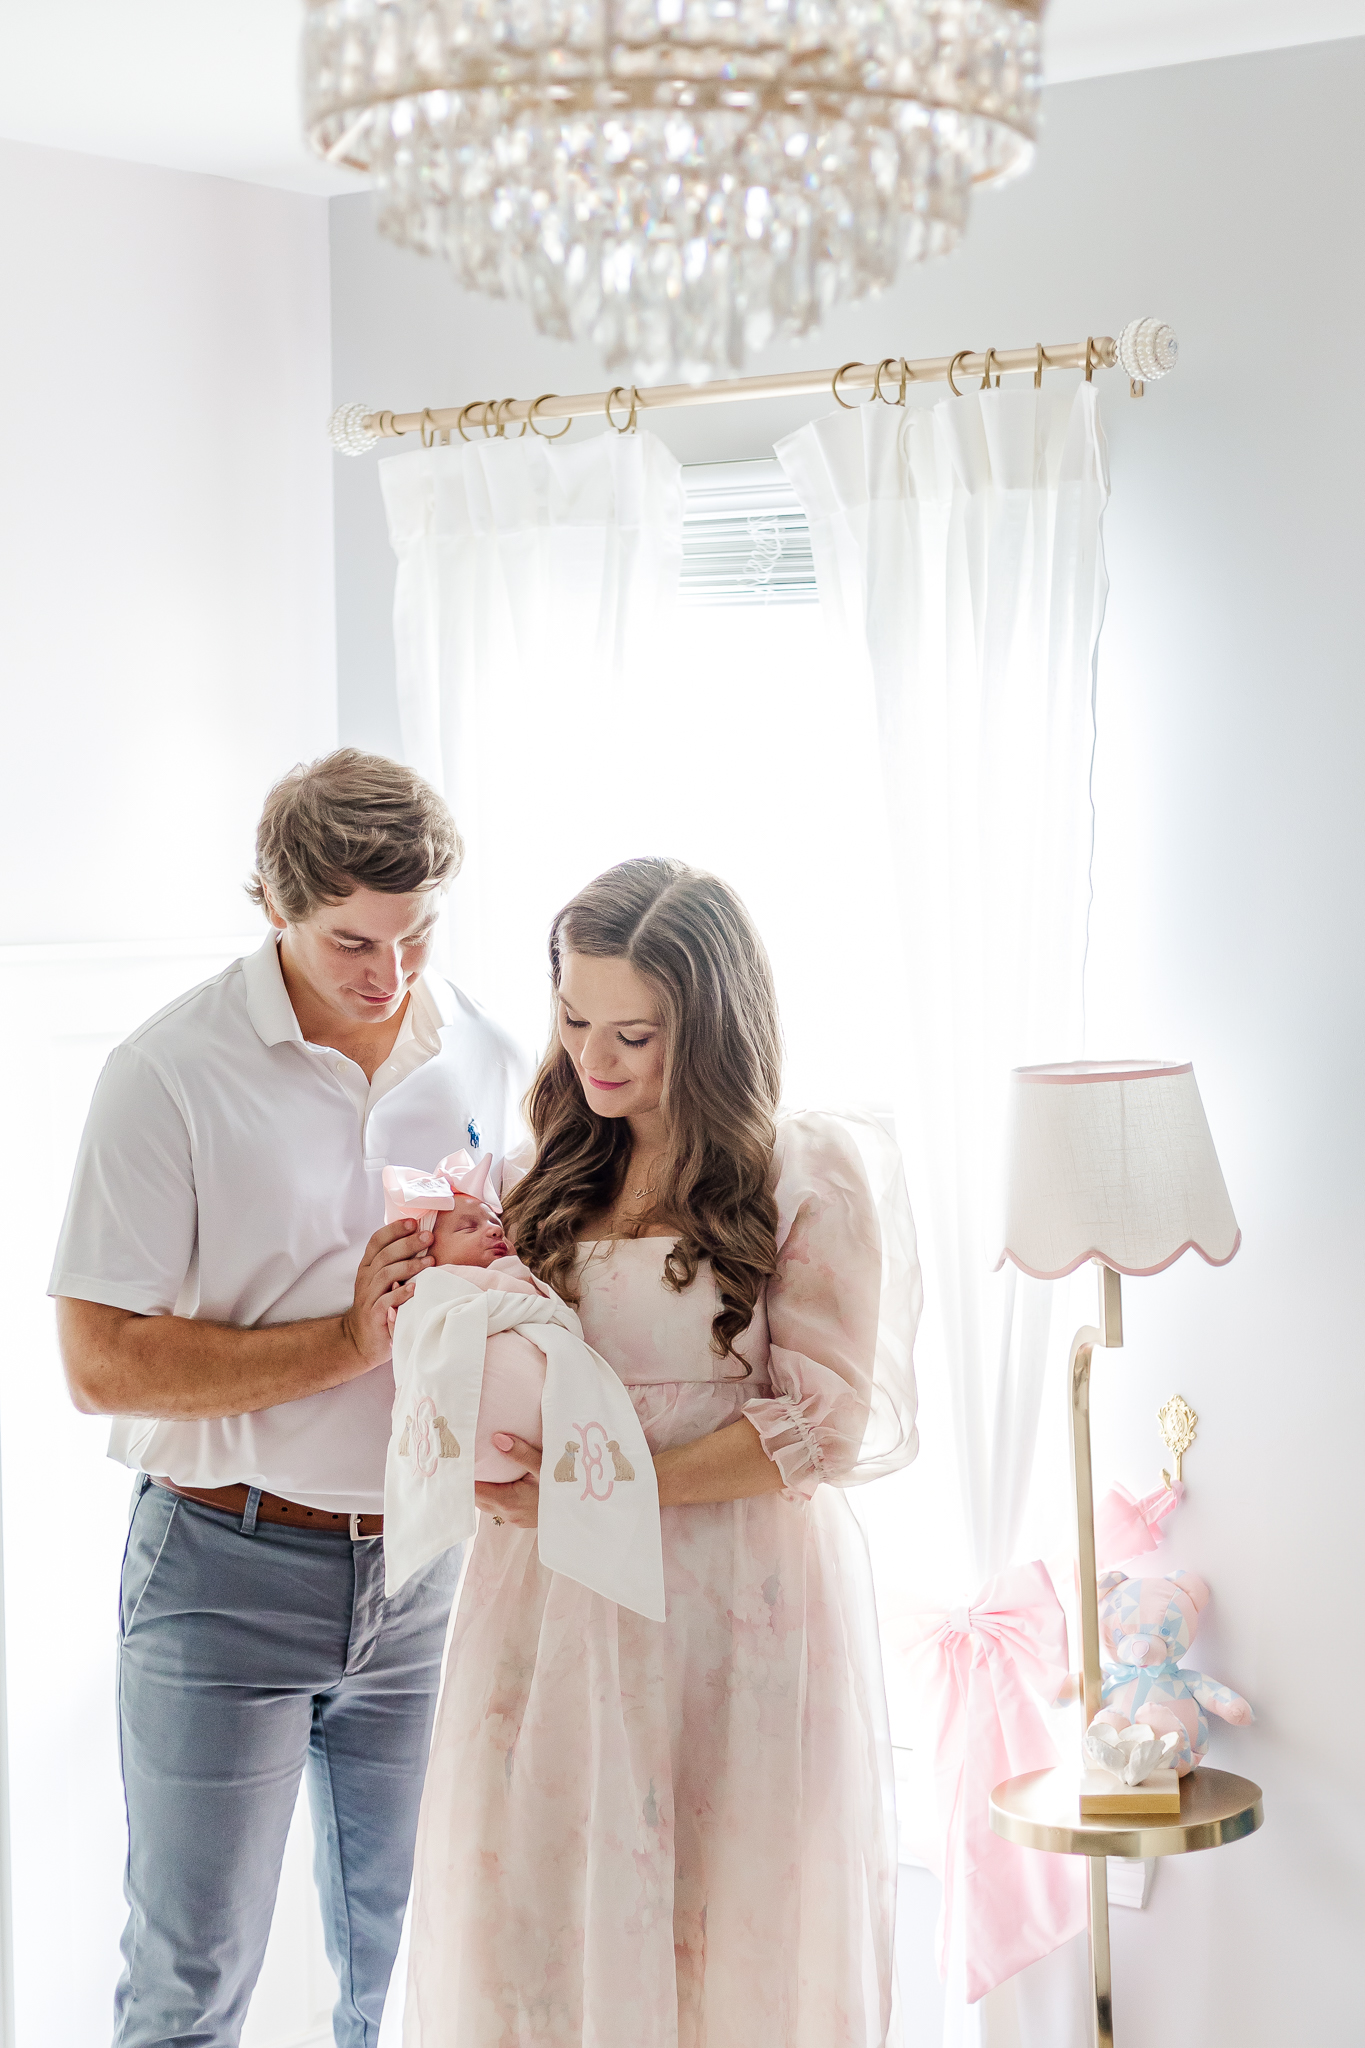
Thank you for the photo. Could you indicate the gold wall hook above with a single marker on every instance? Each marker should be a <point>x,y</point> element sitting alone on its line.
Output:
<point>1178,1423</point>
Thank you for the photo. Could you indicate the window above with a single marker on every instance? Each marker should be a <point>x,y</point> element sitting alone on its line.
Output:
<point>745,537</point>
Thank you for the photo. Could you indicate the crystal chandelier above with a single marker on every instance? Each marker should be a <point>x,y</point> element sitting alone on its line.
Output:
<point>677,181</point>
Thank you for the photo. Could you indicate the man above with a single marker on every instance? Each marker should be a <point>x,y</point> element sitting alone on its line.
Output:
<point>222,1292</point>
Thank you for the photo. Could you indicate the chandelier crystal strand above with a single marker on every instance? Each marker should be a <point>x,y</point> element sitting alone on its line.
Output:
<point>676,181</point>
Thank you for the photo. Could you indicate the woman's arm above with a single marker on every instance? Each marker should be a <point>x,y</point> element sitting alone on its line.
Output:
<point>730,1464</point>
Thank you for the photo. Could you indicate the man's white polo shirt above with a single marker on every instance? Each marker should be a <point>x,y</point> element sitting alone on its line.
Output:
<point>231,1170</point>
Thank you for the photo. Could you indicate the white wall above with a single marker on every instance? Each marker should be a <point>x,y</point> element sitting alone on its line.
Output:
<point>166,616</point>
<point>165,558</point>
<point>1228,199</point>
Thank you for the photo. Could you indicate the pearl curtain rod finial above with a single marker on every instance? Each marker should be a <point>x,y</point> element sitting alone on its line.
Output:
<point>347,431</point>
<point>1146,349</point>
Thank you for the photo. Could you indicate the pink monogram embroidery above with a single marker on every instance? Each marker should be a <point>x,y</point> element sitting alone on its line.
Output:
<point>427,1438</point>
<point>596,1485</point>
<point>597,1448</point>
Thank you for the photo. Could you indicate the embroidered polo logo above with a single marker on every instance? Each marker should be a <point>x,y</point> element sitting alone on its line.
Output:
<point>475,1134</point>
<point>427,1438</point>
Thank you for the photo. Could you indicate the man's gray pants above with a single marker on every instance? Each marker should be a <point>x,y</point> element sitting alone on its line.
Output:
<point>244,1654</point>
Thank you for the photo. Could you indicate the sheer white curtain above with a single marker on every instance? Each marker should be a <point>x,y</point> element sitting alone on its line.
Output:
<point>532,578</point>
<point>959,560</point>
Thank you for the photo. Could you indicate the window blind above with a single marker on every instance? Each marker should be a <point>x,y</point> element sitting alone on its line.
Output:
<point>745,537</point>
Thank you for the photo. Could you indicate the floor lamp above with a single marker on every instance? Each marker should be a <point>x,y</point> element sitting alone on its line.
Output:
<point>1113,1162</point>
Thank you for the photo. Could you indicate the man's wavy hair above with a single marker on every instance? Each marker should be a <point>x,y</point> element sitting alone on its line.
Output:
<point>351,821</point>
<point>692,940</point>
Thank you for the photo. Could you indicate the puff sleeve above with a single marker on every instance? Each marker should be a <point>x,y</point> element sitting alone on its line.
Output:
<point>843,1307</point>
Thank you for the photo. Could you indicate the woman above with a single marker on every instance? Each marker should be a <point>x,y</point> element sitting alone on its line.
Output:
<point>638,1835</point>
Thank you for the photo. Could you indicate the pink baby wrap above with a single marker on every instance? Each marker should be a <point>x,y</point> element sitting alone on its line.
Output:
<point>514,1370</point>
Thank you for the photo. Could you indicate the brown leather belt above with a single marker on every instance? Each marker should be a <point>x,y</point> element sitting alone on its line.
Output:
<point>232,1500</point>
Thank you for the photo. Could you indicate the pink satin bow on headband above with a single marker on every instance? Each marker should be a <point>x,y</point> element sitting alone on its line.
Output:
<point>408,1191</point>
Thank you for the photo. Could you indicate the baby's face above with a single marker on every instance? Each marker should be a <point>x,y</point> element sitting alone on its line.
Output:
<point>468,1235</point>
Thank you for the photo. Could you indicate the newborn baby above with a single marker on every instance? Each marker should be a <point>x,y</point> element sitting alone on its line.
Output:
<point>463,1370</point>
<point>469,1233</point>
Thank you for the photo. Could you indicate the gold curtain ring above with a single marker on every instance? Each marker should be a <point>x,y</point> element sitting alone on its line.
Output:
<point>498,414</point>
<point>834,384</point>
<point>427,428</point>
<point>961,356</point>
<point>459,423</point>
<point>531,419</point>
<point>618,391</point>
<point>1090,358</point>
<point>986,372</point>
<point>1038,373</point>
<point>877,391</point>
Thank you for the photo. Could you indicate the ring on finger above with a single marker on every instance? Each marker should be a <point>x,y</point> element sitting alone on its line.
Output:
<point>498,1520</point>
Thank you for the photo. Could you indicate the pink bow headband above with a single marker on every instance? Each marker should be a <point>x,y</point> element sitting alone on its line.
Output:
<point>410,1192</point>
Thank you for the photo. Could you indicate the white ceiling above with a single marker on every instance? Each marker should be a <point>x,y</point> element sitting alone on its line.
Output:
<point>209,85</point>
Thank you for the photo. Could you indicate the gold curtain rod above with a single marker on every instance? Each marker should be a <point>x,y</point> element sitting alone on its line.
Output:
<point>893,374</point>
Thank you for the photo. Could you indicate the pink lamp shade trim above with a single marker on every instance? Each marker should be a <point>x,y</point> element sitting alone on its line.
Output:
<point>1111,1160</point>
<point>1129,1272</point>
<point>1089,1073</point>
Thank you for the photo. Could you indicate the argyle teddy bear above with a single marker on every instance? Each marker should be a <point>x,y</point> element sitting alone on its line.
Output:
<point>1146,1626</point>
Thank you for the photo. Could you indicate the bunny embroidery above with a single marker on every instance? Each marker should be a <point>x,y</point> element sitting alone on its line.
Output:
<point>1146,1626</point>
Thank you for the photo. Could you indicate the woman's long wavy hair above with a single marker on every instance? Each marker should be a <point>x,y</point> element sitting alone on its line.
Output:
<point>692,940</point>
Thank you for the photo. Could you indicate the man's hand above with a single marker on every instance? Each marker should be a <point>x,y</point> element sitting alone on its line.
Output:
<point>518,1501</point>
<point>394,1256</point>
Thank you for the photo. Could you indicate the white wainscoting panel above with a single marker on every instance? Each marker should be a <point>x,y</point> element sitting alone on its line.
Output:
<point>62,1008</point>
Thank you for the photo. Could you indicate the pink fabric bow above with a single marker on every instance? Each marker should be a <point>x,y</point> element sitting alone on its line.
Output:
<point>986,1669</point>
<point>412,1191</point>
<point>472,1177</point>
<point>1125,1527</point>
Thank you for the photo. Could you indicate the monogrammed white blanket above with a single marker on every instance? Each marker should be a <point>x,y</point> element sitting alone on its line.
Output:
<point>599,1502</point>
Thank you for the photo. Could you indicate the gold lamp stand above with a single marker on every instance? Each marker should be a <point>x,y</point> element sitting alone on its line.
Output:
<point>1042,1810</point>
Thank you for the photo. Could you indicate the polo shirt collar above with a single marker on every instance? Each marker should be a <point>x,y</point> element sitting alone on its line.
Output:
<point>267,999</point>
<point>272,1014</point>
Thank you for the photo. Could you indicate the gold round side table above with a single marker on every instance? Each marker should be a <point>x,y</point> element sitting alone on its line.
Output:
<point>1041,1810</point>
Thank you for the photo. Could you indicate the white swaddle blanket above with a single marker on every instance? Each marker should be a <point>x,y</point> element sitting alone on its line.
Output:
<point>599,1500</point>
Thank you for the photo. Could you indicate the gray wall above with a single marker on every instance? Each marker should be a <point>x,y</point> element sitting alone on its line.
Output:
<point>1227,199</point>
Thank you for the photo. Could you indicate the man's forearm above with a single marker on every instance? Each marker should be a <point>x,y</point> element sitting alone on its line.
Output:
<point>118,1363</point>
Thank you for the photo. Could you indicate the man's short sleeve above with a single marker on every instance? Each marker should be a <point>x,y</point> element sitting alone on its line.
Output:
<point>129,1234</point>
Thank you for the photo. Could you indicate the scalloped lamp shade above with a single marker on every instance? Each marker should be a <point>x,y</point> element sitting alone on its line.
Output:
<point>1112,1160</point>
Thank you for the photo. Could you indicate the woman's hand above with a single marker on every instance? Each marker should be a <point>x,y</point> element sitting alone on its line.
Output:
<point>518,1502</point>
<point>394,1256</point>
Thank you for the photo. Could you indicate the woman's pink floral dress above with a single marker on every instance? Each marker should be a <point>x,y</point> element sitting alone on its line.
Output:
<point>638,1835</point>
